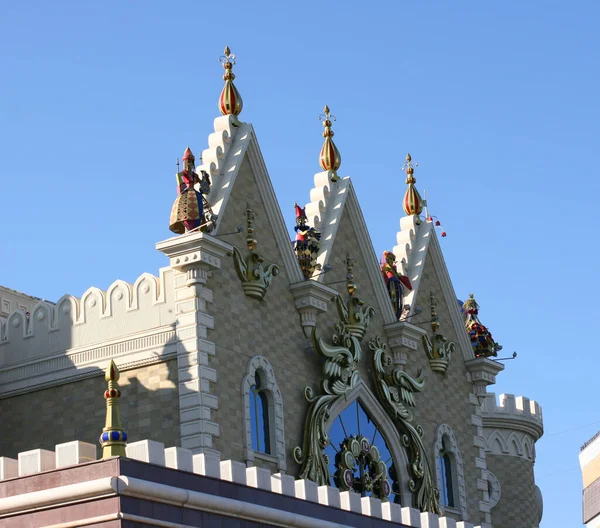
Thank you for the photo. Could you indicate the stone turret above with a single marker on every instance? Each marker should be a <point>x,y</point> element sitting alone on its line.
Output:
<point>511,427</point>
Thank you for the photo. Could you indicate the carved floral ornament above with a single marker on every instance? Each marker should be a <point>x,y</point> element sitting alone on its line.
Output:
<point>395,390</point>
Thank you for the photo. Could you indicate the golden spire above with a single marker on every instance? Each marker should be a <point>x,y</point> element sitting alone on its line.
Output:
<point>230,101</point>
<point>330,158</point>
<point>113,439</point>
<point>412,203</point>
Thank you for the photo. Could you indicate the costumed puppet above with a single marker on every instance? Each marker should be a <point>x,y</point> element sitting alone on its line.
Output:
<point>394,281</point>
<point>188,210</point>
<point>307,243</point>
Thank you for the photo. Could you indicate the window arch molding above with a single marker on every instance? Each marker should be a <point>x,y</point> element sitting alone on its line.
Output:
<point>444,431</point>
<point>385,425</point>
<point>275,412</point>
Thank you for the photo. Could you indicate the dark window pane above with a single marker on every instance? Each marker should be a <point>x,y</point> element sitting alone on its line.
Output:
<point>264,423</point>
<point>448,474</point>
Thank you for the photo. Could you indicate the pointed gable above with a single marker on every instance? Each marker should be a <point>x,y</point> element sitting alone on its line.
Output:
<point>422,260</point>
<point>234,145</point>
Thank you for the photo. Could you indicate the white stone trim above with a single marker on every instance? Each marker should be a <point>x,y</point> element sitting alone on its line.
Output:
<point>480,460</point>
<point>386,426</point>
<point>276,414</point>
<point>328,202</point>
<point>458,483</point>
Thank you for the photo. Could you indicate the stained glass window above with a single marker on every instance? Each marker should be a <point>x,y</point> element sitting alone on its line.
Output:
<point>359,458</point>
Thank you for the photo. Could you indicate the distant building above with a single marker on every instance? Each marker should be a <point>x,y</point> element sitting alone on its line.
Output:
<point>328,386</point>
<point>12,300</point>
<point>589,460</point>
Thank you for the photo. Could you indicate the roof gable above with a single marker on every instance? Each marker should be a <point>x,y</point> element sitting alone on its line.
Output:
<point>230,145</point>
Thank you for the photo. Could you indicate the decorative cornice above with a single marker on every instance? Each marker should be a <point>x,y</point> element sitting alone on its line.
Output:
<point>85,362</point>
<point>483,370</point>
<point>402,337</point>
<point>86,374</point>
<point>311,298</point>
<point>194,249</point>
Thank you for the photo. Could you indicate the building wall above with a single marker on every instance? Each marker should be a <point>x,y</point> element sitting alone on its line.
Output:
<point>76,411</point>
<point>272,328</point>
<point>245,327</point>
<point>445,399</point>
<point>517,505</point>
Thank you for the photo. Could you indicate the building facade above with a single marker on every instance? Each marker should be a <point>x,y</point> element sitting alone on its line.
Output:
<point>313,359</point>
<point>589,460</point>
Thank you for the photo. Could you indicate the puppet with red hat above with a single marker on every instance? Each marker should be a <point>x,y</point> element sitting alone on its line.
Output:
<point>187,213</point>
<point>306,245</point>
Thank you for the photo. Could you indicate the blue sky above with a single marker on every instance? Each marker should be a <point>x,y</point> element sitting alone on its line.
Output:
<point>496,101</point>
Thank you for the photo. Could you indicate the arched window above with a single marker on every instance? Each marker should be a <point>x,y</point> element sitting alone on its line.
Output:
<point>359,457</point>
<point>259,415</point>
<point>450,472</point>
<point>264,436</point>
<point>445,461</point>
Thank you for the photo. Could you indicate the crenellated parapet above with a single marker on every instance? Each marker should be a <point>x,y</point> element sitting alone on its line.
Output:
<point>364,510</point>
<point>56,341</point>
<point>512,424</point>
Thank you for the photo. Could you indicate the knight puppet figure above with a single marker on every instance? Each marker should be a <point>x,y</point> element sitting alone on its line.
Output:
<point>395,282</point>
<point>188,210</point>
<point>307,243</point>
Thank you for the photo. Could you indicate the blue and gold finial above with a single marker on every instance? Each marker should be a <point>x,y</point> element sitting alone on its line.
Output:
<point>113,439</point>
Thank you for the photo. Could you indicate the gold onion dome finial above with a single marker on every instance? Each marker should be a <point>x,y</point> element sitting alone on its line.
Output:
<point>412,203</point>
<point>230,101</point>
<point>330,158</point>
<point>113,439</point>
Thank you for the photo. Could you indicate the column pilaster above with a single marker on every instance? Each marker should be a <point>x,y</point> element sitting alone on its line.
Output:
<point>194,257</point>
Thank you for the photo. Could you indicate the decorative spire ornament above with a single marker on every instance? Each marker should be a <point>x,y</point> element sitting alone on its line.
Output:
<point>481,338</point>
<point>230,101</point>
<point>439,350</point>
<point>113,439</point>
<point>354,314</point>
<point>250,270</point>
<point>330,158</point>
<point>412,203</point>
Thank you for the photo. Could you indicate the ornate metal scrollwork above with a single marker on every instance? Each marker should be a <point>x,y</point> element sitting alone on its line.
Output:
<point>341,376</point>
<point>396,389</point>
